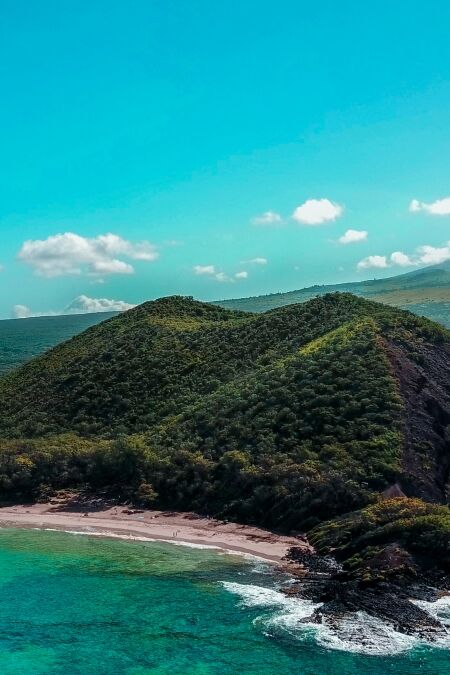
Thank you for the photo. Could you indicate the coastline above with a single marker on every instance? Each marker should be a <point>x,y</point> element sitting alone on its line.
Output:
<point>168,526</point>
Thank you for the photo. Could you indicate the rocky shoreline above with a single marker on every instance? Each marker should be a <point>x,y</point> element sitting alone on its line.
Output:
<point>323,580</point>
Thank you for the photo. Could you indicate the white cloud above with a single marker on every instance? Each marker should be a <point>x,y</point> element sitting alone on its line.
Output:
<point>352,236</point>
<point>441,207</point>
<point>378,261</point>
<point>21,312</point>
<point>83,304</point>
<point>204,269</point>
<point>71,254</point>
<point>267,218</point>
<point>401,259</point>
<point>221,276</point>
<point>255,261</point>
<point>317,211</point>
<point>431,255</point>
<point>423,255</point>
<point>211,271</point>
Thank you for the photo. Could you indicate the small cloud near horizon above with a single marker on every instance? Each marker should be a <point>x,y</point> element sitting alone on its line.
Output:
<point>267,218</point>
<point>377,261</point>
<point>83,304</point>
<point>423,255</point>
<point>211,272</point>
<point>255,261</point>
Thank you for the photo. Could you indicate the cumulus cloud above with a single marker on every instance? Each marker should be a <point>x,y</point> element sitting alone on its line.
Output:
<point>432,255</point>
<point>204,269</point>
<point>21,312</point>
<point>267,218</point>
<point>352,236</point>
<point>441,207</point>
<point>401,259</point>
<point>255,261</point>
<point>423,255</point>
<point>210,271</point>
<point>72,254</point>
<point>83,304</point>
<point>317,211</point>
<point>213,273</point>
<point>378,261</point>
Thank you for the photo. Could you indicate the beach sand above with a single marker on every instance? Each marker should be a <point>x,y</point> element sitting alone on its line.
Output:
<point>170,526</point>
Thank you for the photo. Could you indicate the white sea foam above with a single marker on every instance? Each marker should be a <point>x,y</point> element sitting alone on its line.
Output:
<point>130,537</point>
<point>288,611</point>
<point>257,596</point>
<point>439,610</point>
<point>357,632</point>
<point>364,634</point>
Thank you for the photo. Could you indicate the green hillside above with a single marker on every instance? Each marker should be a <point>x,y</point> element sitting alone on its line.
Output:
<point>285,418</point>
<point>425,292</point>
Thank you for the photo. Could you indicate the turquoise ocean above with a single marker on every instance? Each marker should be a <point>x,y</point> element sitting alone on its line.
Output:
<point>71,603</point>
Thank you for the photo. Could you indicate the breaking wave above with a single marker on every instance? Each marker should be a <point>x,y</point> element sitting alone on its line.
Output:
<point>357,632</point>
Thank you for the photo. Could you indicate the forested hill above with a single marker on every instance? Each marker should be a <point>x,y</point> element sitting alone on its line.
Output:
<point>426,292</point>
<point>131,372</point>
<point>285,418</point>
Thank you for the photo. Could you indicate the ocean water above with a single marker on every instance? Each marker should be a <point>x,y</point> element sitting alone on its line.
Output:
<point>82,604</point>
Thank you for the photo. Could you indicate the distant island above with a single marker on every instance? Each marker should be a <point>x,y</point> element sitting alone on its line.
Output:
<point>326,420</point>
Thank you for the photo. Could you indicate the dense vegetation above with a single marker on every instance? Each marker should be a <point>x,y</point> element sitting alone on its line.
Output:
<point>358,538</point>
<point>128,374</point>
<point>286,419</point>
<point>425,292</point>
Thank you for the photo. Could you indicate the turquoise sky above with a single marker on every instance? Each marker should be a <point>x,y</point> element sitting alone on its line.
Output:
<point>174,125</point>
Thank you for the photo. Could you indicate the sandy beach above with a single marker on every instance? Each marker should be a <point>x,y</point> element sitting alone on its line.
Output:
<point>170,526</point>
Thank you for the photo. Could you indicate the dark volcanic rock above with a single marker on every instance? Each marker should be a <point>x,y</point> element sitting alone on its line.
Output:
<point>425,390</point>
<point>341,593</point>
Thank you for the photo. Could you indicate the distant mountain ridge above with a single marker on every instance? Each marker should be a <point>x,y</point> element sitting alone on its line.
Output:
<point>425,292</point>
